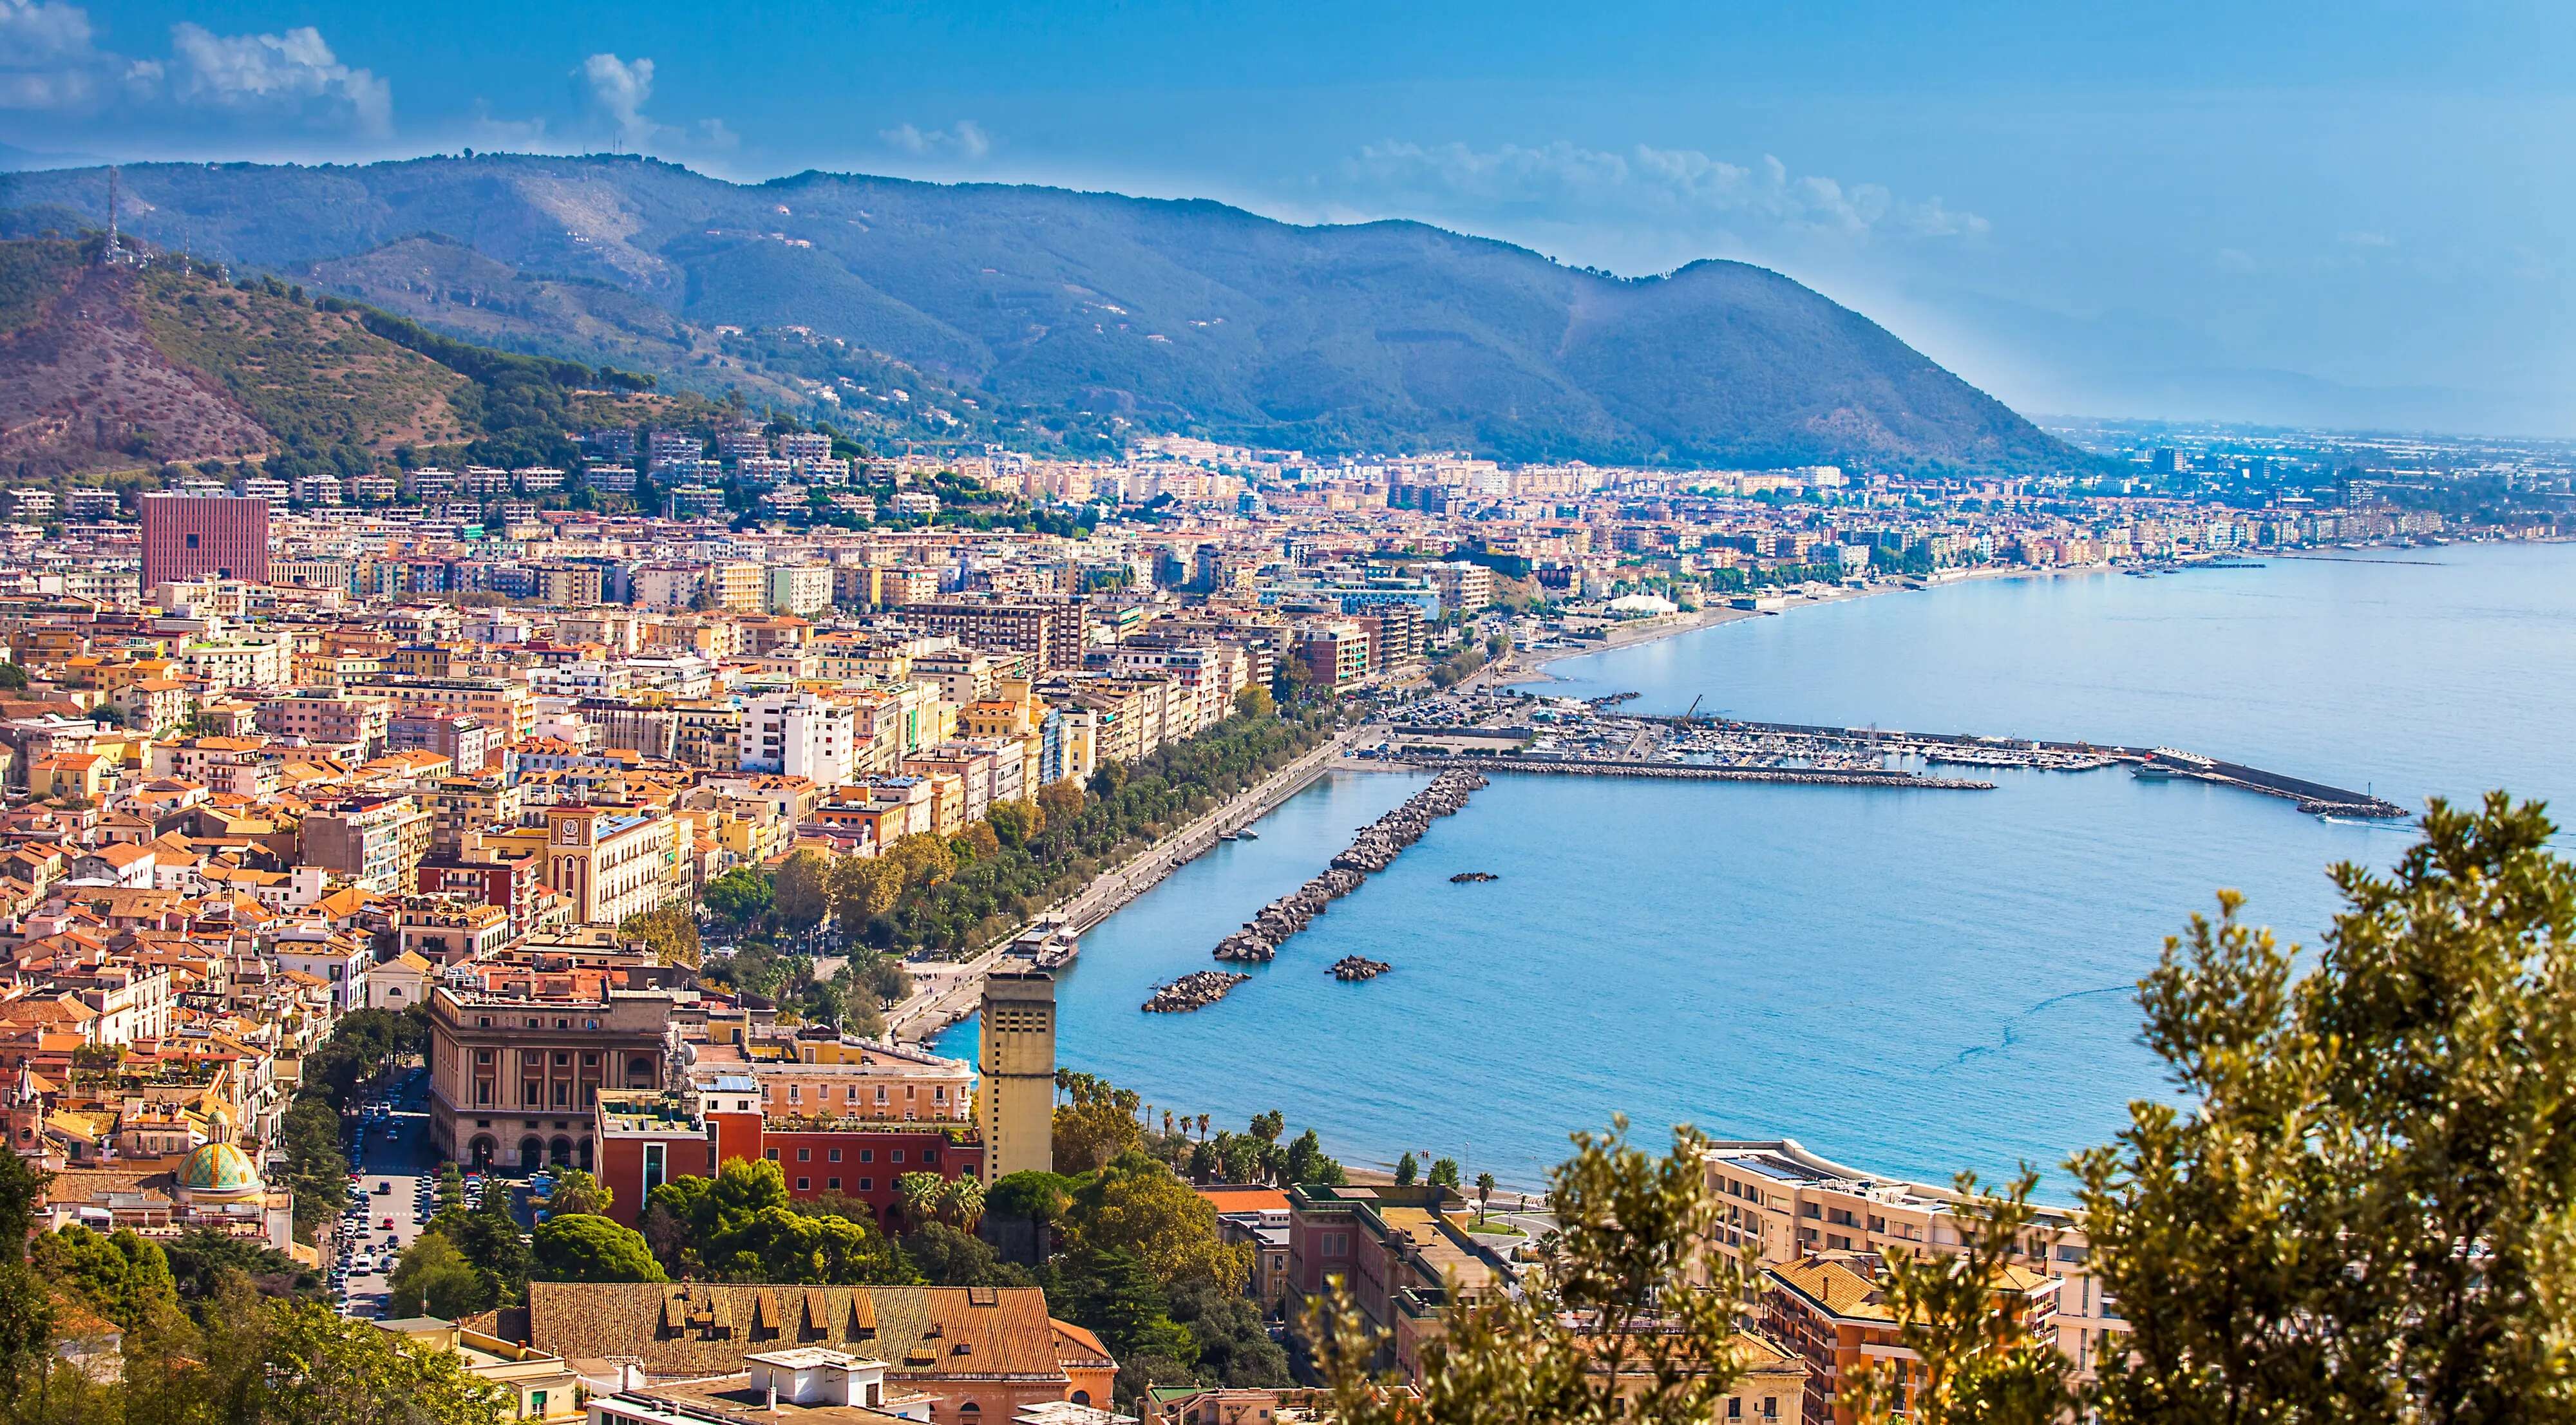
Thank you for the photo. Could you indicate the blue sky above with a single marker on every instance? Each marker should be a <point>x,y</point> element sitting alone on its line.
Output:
<point>2358,213</point>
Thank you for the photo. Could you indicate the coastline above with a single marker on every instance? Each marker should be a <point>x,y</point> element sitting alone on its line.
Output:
<point>956,987</point>
<point>1523,669</point>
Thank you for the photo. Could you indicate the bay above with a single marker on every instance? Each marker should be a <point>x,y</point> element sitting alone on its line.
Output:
<point>1910,981</point>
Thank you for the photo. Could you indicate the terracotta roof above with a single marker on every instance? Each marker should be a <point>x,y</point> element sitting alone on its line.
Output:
<point>702,1328</point>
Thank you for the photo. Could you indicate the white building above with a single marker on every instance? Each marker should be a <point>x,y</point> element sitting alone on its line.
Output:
<point>800,735</point>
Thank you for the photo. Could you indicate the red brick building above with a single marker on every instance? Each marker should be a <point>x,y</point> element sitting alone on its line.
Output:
<point>191,536</point>
<point>647,1139</point>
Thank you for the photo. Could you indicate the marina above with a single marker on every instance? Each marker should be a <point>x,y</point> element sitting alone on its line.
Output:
<point>1521,732</point>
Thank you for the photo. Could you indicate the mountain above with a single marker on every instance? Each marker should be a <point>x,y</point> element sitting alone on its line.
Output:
<point>110,365</point>
<point>1052,314</point>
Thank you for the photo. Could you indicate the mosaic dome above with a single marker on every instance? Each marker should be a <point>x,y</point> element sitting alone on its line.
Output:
<point>219,1169</point>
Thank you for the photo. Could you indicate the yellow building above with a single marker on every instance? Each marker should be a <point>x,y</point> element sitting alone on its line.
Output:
<point>1015,1102</point>
<point>542,1387</point>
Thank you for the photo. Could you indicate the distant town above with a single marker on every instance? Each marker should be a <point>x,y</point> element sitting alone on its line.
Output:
<point>385,851</point>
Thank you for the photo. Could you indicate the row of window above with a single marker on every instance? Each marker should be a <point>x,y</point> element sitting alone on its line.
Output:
<point>850,1092</point>
<point>929,1156</point>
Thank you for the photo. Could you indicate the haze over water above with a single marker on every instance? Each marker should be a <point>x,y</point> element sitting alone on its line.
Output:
<point>1909,981</point>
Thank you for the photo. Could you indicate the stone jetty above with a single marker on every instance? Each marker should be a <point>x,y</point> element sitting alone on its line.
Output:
<point>1192,991</point>
<point>1354,967</point>
<point>1373,850</point>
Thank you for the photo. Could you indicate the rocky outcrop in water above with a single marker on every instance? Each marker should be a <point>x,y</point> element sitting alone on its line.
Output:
<point>1192,991</point>
<point>1469,878</point>
<point>1373,850</point>
<point>1354,967</point>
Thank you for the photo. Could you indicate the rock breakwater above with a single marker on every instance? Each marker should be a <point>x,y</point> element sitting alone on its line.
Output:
<point>1355,967</point>
<point>1373,850</point>
<point>1197,990</point>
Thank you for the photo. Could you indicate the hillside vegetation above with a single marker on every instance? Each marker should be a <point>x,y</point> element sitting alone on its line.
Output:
<point>1070,317</point>
<point>103,366</point>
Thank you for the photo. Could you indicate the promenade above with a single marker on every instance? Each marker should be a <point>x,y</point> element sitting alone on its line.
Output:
<point>946,993</point>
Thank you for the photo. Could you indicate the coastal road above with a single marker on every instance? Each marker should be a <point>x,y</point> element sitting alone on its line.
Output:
<point>947,993</point>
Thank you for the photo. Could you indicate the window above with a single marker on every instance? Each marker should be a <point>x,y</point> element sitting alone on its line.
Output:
<point>590,1061</point>
<point>534,1024</point>
<point>483,1021</point>
<point>771,1155</point>
<point>831,1155</point>
<point>656,1158</point>
<point>482,1056</point>
<point>867,1155</point>
<point>795,1093</point>
<point>562,1060</point>
<point>833,1183</point>
<point>483,1093</point>
<point>804,1184</point>
<point>895,1157</point>
<point>850,1093</point>
<point>867,1184</point>
<point>804,1155</point>
<point>1734,1408</point>
<point>1770,1407</point>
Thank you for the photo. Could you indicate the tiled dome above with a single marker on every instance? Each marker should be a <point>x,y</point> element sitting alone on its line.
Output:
<point>219,1169</point>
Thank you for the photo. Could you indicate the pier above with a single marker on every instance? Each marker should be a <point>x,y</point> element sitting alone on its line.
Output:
<point>1592,739</point>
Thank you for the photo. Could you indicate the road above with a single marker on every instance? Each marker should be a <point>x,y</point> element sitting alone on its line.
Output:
<point>947,992</point>
<point>404,1163</point>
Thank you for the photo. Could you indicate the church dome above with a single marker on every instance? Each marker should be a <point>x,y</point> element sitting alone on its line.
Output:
<point>219,1170</point>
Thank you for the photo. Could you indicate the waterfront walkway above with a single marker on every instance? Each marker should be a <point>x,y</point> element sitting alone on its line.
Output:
<point>946,993</point>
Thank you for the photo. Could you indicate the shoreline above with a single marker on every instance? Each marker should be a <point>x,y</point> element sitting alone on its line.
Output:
<point>1518,670</point>
<point>932,1009</point>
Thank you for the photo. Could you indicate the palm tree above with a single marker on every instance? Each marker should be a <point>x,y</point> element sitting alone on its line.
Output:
<point>1484,1195</point>
<point>1203,1127</point>
<point>961,1202</point>
<point>1167,1123</point>
<point>919,1196</point>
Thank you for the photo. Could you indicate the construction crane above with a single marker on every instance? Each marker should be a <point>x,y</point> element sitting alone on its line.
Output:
<point>1693,709</point>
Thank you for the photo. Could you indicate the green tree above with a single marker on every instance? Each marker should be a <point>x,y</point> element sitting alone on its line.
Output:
<point>1137,1207</point>
<point>121,1277</point>
<point>1254,700</point>
<point>1484,1194</point>
<point>1630,1317</point>
<point>1444,1173</point>
<point>580,1247</point>
<point>2366,1214</point>
<point>945,1256</point>
<point>801,894</point>
<point>577,1192</point>
<point>327,1370</point>
<point>1097,1123</point>
<point>918,1194</point>
<point>435,1279</point>
<point>1234,1345</point>
<point>670,931</point>
<point>740,1225</point>
<point>488,1238</point>
<point>1964,1316</point>
<point>740,897</point>
<point>316,1168</point>
<point>1406,1170</point>
<point>1116,1295</point>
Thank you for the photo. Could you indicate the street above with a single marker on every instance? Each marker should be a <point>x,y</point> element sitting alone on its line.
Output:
<point>395,1175</point>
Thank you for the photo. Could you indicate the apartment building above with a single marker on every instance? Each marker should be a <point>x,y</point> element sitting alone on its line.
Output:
<point>1829,1311</point>
<point>800,735</point>
<point>338,719</point>
<point>376,842</point>
<point>1049,633</point>
<point>1788,1203</point>
<point>499,704</point>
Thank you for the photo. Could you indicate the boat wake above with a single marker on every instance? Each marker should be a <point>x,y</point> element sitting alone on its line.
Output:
<point>2012,1032</point>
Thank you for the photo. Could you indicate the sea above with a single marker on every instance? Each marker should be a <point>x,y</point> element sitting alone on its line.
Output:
<point>1912,982</point>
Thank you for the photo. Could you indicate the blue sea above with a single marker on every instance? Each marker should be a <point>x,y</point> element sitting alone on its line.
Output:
<point>1909,981</point>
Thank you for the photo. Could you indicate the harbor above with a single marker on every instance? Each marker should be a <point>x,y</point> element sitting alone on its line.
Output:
<point>1523,732</point>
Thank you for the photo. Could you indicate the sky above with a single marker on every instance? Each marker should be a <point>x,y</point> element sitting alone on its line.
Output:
<point>2355,214</point>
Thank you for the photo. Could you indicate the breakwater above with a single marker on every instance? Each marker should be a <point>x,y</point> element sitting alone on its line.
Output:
<point>1353,968</point>
<point>1686,772</point>
<point>1192,991</point>
<point>1373,850</point>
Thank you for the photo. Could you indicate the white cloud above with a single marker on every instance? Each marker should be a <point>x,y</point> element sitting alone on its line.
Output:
<point>965,140</point>
<point>619,89</point>
<point>275,73</point>
<point>34,33</point>
<point>1679,187</point>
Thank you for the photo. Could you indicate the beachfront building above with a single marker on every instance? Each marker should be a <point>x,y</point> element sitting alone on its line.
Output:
<point>1787,1203</point>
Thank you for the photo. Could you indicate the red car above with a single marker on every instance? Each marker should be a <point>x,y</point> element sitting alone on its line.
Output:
<point>389,1224</point>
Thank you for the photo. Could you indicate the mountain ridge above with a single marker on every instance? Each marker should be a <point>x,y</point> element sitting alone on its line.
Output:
<point>1047,313</point>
